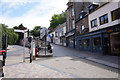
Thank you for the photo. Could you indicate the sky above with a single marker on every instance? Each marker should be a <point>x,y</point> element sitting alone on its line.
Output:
<point>30,12</point>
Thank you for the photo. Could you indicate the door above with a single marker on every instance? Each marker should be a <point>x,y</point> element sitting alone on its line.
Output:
<point>106,45</point>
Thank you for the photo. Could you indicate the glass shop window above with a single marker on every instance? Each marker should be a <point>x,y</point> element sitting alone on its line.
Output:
<point>115,42</point>
<point>86,43</point>
<point>97,43</point>
<point>80,43</point>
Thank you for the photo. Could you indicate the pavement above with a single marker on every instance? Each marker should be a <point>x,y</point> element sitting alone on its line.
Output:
<point>65,63</point>
<point>107,60</point>
<point>32,70</point>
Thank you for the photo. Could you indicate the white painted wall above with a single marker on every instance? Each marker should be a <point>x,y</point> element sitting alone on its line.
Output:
<point>101,11</point>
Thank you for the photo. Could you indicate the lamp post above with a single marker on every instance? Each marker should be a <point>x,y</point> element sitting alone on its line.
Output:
<point>45,41</point>
<point>24,47</point>
<point>6,40</point>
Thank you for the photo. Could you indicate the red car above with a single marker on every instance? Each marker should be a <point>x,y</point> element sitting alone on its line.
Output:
<point>2,51</point>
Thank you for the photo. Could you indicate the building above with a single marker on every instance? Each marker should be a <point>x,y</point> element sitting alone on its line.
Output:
<point>104,28</point>
<point>43,33</point>
<point>58,35</point>
<point>70,25</point>
<point>23,34</point>
<point>81,22</point>
<point>62,36</point>
<point>96,27</point>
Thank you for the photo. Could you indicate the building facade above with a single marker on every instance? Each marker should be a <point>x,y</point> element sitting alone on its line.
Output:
<point>70,25</point>
<point>97,27</point>
<point>82,26</point>
<point>104,28</point>
<point>58,35</point>
<point>43,33</point>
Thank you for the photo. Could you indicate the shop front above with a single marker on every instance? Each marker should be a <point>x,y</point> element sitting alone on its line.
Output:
<point>114,39</point>
<point>90,42</point>
<point>104,41</point>
<point>70,39</point>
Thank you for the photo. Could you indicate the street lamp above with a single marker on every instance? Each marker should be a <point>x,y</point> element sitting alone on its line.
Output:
<point>6,40</point>
<point>45,40</point>
<point>24,47</point>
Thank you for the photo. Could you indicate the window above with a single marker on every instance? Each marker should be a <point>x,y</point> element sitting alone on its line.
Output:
<point>71,40</point>
<point>72,11</point>
<point>115,14</point>
<point>73,23</point>
<point>56,34</point>
<point>81,16</point>
<point>83,27</point>
<point>94,23</point>
<point>86,43</point>
<point>104,19</point>
<point>97,43</point>
<point>115,42</point>
<point>80,43</point>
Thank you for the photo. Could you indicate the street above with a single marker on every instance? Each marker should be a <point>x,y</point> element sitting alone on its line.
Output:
<point>65,63</point>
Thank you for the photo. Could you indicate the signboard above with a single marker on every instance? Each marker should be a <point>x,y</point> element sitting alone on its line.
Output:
<point>33,43</point>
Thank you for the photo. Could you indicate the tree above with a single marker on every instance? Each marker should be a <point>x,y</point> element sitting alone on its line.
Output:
<point>11,35</point>
<point>36,31</point>
<point>57,19</point>
<point>21,27</point>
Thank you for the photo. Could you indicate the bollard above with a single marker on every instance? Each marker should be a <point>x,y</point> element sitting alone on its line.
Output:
<point>30,58</point>
<point>4,57</point>
<point>30,55</point>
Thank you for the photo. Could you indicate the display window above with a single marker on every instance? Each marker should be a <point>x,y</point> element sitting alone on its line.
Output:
<point>86,43</point>
<point>97,43</point>
<point>115,42</point>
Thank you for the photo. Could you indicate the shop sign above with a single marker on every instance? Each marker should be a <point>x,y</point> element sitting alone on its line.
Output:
<point>117,29</point>
<point>111,30</point>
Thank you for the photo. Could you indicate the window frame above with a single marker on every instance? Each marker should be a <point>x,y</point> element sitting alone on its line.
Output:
<point>93,21</point>
<point>104,20</point>
<point>116,10</point>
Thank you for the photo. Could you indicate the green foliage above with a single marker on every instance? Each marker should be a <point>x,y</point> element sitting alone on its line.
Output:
<point>12,36</point>
<point>57,19</point>
<point>36,31</point>
<point>21,27</point>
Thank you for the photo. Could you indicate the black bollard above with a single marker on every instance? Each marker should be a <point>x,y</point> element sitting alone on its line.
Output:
<point>30,58</point>
<point>4,57</point>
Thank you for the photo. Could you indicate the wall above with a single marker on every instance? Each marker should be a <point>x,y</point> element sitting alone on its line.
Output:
<point>101,11</point>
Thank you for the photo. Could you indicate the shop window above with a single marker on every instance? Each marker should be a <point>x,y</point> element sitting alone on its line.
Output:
<point>80,43</point>
<point>115,42</point>
<point>94,23</point>
<point>104,19</point>
<point>115,14</point>
<point>86,43</point>
<point>71,40</point>
<point>97,43</point>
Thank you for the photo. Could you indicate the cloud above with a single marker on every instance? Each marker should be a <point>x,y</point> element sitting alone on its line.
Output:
<point>38,15</point>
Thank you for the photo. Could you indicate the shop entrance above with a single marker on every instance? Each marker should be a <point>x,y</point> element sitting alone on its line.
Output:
<point>115,43</point>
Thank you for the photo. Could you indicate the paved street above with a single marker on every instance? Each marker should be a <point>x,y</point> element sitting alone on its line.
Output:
<point>66,63</point>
